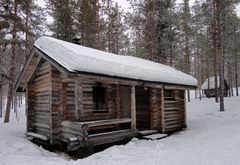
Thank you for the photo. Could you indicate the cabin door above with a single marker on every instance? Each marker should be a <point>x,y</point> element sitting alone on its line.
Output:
<point>142,108</point>
<point>125,101</point>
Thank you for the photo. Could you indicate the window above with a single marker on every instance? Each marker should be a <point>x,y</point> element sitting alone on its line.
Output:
<point>169,95</point>
<point>100,99</point>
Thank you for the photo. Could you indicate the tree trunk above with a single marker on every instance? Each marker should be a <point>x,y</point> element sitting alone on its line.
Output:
<point>220,52</point>
<point>186,31</point>
<point>27,32</point>
<point>236,73</point>
<point>208,80</point>
<point>229,80</point>
<point>1,100</point>
<point>215,58</point>
<point>1,81</point>
<point>9,99</point>
<point>12,69</point>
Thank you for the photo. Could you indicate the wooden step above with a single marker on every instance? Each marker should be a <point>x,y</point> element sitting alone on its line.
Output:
<point>147,132</point>
<point>156,136</point>
<point>110,137</point>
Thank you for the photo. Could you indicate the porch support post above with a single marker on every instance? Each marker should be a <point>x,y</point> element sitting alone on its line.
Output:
<point>162,111</point>
<point>185,109</point>
<point>78,99</point>
<point>133,108</point>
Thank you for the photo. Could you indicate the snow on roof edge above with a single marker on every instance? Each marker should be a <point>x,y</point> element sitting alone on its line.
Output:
<point>211,83</point>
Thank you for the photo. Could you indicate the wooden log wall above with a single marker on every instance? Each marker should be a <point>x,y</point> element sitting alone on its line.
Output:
<point>30,103</point>
<point>88,113</point>
<point>68,98</point>
<point>39,102</point>
<point>70,129</point>
<point>155,109</point>
<point>56,105</point>
<point>174,112</point>
<point>51,100</point>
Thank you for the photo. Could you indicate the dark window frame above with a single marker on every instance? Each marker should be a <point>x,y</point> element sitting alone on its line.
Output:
<point>169,94</point>
<point>100,99</point>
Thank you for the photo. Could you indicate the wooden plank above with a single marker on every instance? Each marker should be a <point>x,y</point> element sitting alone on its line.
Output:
<point>155,136</point>
<point>179,87</point>
<point>72,124</point>
<point>37,136</point>
<point>151,108</point>
<point>109,137</point>
<point>147,132</point>
<point>78,99</point>
<point>185,110</point>
<point>162,110</point>
<point>33,71</point>
<point>118,111</point>
<point>51,109</point>
<point>107,122</point>
<point>19,81</point>
<point>104,79</point>
<point>133,108</point>
<point>68,130</point>
<point>153,85</point>
<point>42,125</point>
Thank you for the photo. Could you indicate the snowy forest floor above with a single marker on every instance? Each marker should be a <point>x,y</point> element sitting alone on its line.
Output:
<point>212,138</point>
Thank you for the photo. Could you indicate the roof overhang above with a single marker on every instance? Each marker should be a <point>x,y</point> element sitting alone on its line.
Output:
<point>36,55</point>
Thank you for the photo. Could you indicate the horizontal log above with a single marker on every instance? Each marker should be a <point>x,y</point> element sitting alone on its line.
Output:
<point>37,124</point>
<point>43,131</point>
<point>107,122</point>
<point>75,132</point>
<point>175,119</point>
<point>175,115</point>
<point>170,101</point>
<point>173,127</point>
<point>65,135</point>
<point>109,137</point>
<point>37,136</point>
<point>172,108</point>
<point>172,112</point>
<point>102,127</point>
<point>175,124</point>
<point>73,125</point>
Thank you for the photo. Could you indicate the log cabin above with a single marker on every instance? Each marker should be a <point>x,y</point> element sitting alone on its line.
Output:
<point>208,87</point>
<point>80,97</point>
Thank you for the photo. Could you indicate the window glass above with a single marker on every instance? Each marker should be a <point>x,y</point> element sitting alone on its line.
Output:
<point>99,98</point>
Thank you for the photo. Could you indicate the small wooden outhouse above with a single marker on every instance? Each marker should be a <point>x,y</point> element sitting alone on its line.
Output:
<point>208,87</point>
<point>79,97</point>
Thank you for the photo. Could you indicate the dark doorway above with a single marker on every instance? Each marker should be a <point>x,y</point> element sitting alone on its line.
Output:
<point>125,103</point>
<point>142,108</point>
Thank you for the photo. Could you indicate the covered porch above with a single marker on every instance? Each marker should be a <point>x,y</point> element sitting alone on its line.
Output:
<point>141,109</point>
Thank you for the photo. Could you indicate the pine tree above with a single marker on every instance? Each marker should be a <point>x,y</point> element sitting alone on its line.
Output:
<point>186,29</point>
<point>115,28</point>
<point>62,26</point>
<point>14,13</point>
<point>219,52</point>
<point>15,19</point>
<point>155,29</point>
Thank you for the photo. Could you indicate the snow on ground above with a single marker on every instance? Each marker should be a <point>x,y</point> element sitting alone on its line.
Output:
<point>212,138</point>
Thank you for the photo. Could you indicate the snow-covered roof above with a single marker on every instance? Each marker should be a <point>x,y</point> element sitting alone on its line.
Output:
<point>76,58</point>
<point>211,83</point>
